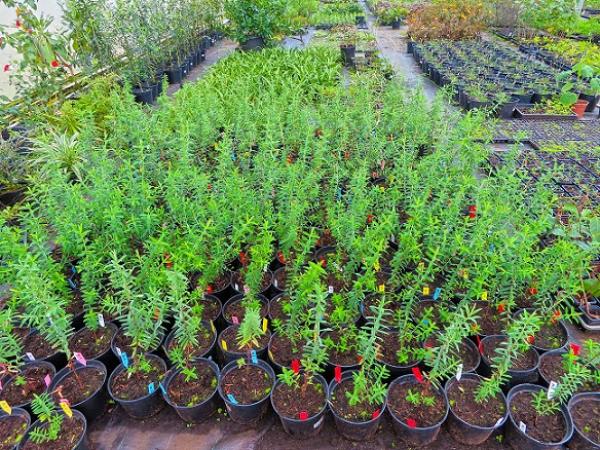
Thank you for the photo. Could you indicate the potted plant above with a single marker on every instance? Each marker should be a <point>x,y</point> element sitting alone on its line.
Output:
<point>254,23</point>
<point>13,427</point>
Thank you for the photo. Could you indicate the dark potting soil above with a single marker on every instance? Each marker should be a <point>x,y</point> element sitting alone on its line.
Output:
<point>283,350</point>
<point>229,335</point>
<point>12,430</point>
<point>238,282</point>
<point>69,434</point>
<point>204,342</point>
<point>211,308</point>
<point>334,281</point>
<point>291,401</point>
<point>125,387</point>
<point>237,309</point>
<point>461,396</point>
<point>549,428</point>
<point>248,384</point>
<point>75,306</point>
<point>552,369</point>
<point>346,357</point>
<point>280,279</point>
<point>390,346</point>
<point>524,361</point>
<point>193,392</point>
<point>361,412</point>
<point>277,308</point>
<point>586,416</point>
<point>339,313</point>
<point>439,312</point>
<point>393,307</point>
<point>78,386</point>
<point>92,343</point>
<point>424,415</point>
<point>21,389</point>
<point>21,332</point>
<point>551,335</point>
<point>490,320</point>
<point>326,239</point>
<point>38,346</point>
<point>467,354</point>
<point>219,284</point>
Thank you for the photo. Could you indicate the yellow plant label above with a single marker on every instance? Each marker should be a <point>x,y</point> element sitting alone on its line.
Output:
<point>421,266</point>
<point>224,345</point>
<point>382,288</point>
<point>212,327</point>
<point>67,409</point>
<point>484,295</point>
<point>376,266</point>
<point>265,323</point>
<point>5,407</point>
<point>426,290</point>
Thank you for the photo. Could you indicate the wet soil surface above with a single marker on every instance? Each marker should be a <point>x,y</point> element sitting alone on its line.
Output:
<point>204,340</point>
<point>525,361</point>
<point>552,369</point>
<point>551,336</point>
<point>229,335</point>
<point>237,309</point>
<point>461,397</point>
<point>586,416</point>
<point>424,415</point>
<point>12,430</point>
<point>69,434</point>
<point>390,346</point>
<point>219,284</point>
<point>248,384</point>
<point>291,401</point>
<point>38,346</point>
<point>238,282</point>
<point>490,321</point>
<point>277,308</point>
<point>78,386</point>
<point>550,428</point>
<point>193,392</point>
<point>283,350</point>
<point>361,412</point>
<point>131,387</point>
<point>92,343</point>
<point>21,389</point>
<point>341,356</point>
<point>211,309</point>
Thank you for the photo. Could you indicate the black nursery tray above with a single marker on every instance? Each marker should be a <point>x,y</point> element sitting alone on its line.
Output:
<point>521,114</point>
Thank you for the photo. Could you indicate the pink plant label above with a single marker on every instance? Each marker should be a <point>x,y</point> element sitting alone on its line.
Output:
<point>338,374</point>
<point>303,415</point>
<point>235,320</point>
<point>80,358</point>
<point>47,380</point>
<point>417,373</point>
<point>576,349</point>
<point>0,385</point>
<point>412,423</point>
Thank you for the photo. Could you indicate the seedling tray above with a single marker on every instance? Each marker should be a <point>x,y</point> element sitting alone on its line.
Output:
<point>520,114</point>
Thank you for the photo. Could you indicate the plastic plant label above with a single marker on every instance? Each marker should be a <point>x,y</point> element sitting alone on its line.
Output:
<point>393,239</point>
<point>30,356</point>
<point>318,423</point>
<point>66,408</point>
<point>436,293</point>
<point>275,283</point>
<point>151,388</point>
<point>223,345</point>
<point>212,327</point>
<point>246,289</point>
<point>70,281</point>
<point>303,415</point>
<point>235,320</point>
<point>47,380</point>
<point>412,423</point>
<point>426,290</point>
<point>80,358</point>
<point>499,422</point>
<point>484,296</point>
<point>330,289</point>
<point>253,357</point>
<point>421,266</point>
<point>552,389</point>
<point>479,345</point>
<point>376,266</point>
<point>338,374</point>
<point>0,385</point>
<point>5,407</point>
<point>125,360</point>
<point>459,371</point>
<point>162,388</point>
<point>236,287</point>
<point>530,339</point>
<point>265,324</point>
<point>522,427</point>
<point>382,288</point>
<point>576,349</point>
<point>296,366</point>
<point>232,399</point>
<point>501,308</point>
<point>375,414</point>
<point>417,373</point>
<point>270,354</point>
<point>101,320</point>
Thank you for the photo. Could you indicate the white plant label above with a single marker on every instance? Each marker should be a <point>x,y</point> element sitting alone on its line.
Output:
<point>552,389</point>
<point>522,427</point>
<point>30,356</point>
<point>318,422</point>
<point>330,289</point>
<point>459,371</point>
<point>118,351</point>
<point>275,283</point>
<point>101,320</point>
<point>237,288</point>
<point>499,422</point>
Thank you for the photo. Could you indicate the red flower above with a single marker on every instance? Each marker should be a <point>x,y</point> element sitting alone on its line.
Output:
<point>500,308</point>
<point>55,63</point>
<point>6,67</point>
<point>370,218</point>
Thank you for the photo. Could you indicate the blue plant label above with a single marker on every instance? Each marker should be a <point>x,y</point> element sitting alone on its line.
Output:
<point>162,388</point>
<point>436,293</point>
<point>232,399</point>
<point>125,360</point>
<point>73,286</point>
<point>151,388</point>
<point>253,357</point>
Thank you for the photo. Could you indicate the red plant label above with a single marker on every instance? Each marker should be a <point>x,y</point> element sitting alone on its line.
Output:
<point>376,414</point>
<point>412,423</point>
<point>417,373</point>
<point>338,374</point>
<point>575,348</point>
<point>533,291</point>
<point>501,308</point>
<point>479,345</point>
<point>303,415</point>
<point>296,366</point>
<point>530,340</point>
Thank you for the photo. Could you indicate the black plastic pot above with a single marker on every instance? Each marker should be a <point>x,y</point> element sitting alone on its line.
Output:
<point>561,326</point>
<point>95,404</point>
<point>146,406</point>
<point>246,414</point>
<point>171,335</point>
<point>543,380</point>
<point>229,356</point>
<point>240,289</point>
<point>396,24</point>
<point>174,74</point>
<point>50,366</point>
<point>108,358</point>
<point>507,110</point>
<point>593,101</point>
<point>239,297</point>
<point>82,443</point>
<point>355,431</point>
<point>418,436</point>
<point>57,359</point>
<point>579,440</point>
<point>348,54</point>
<point>113,346</point>
<point>519,440</point>
<point>302,429</point>
<point>143,95</point>
<point>517,376</point>
<point>253,44</point>
<point>464,432</point>
<point>203,410</point>
<point>17,412</point>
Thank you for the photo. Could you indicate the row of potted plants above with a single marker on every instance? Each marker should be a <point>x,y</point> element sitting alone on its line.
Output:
<point>390,13</point>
